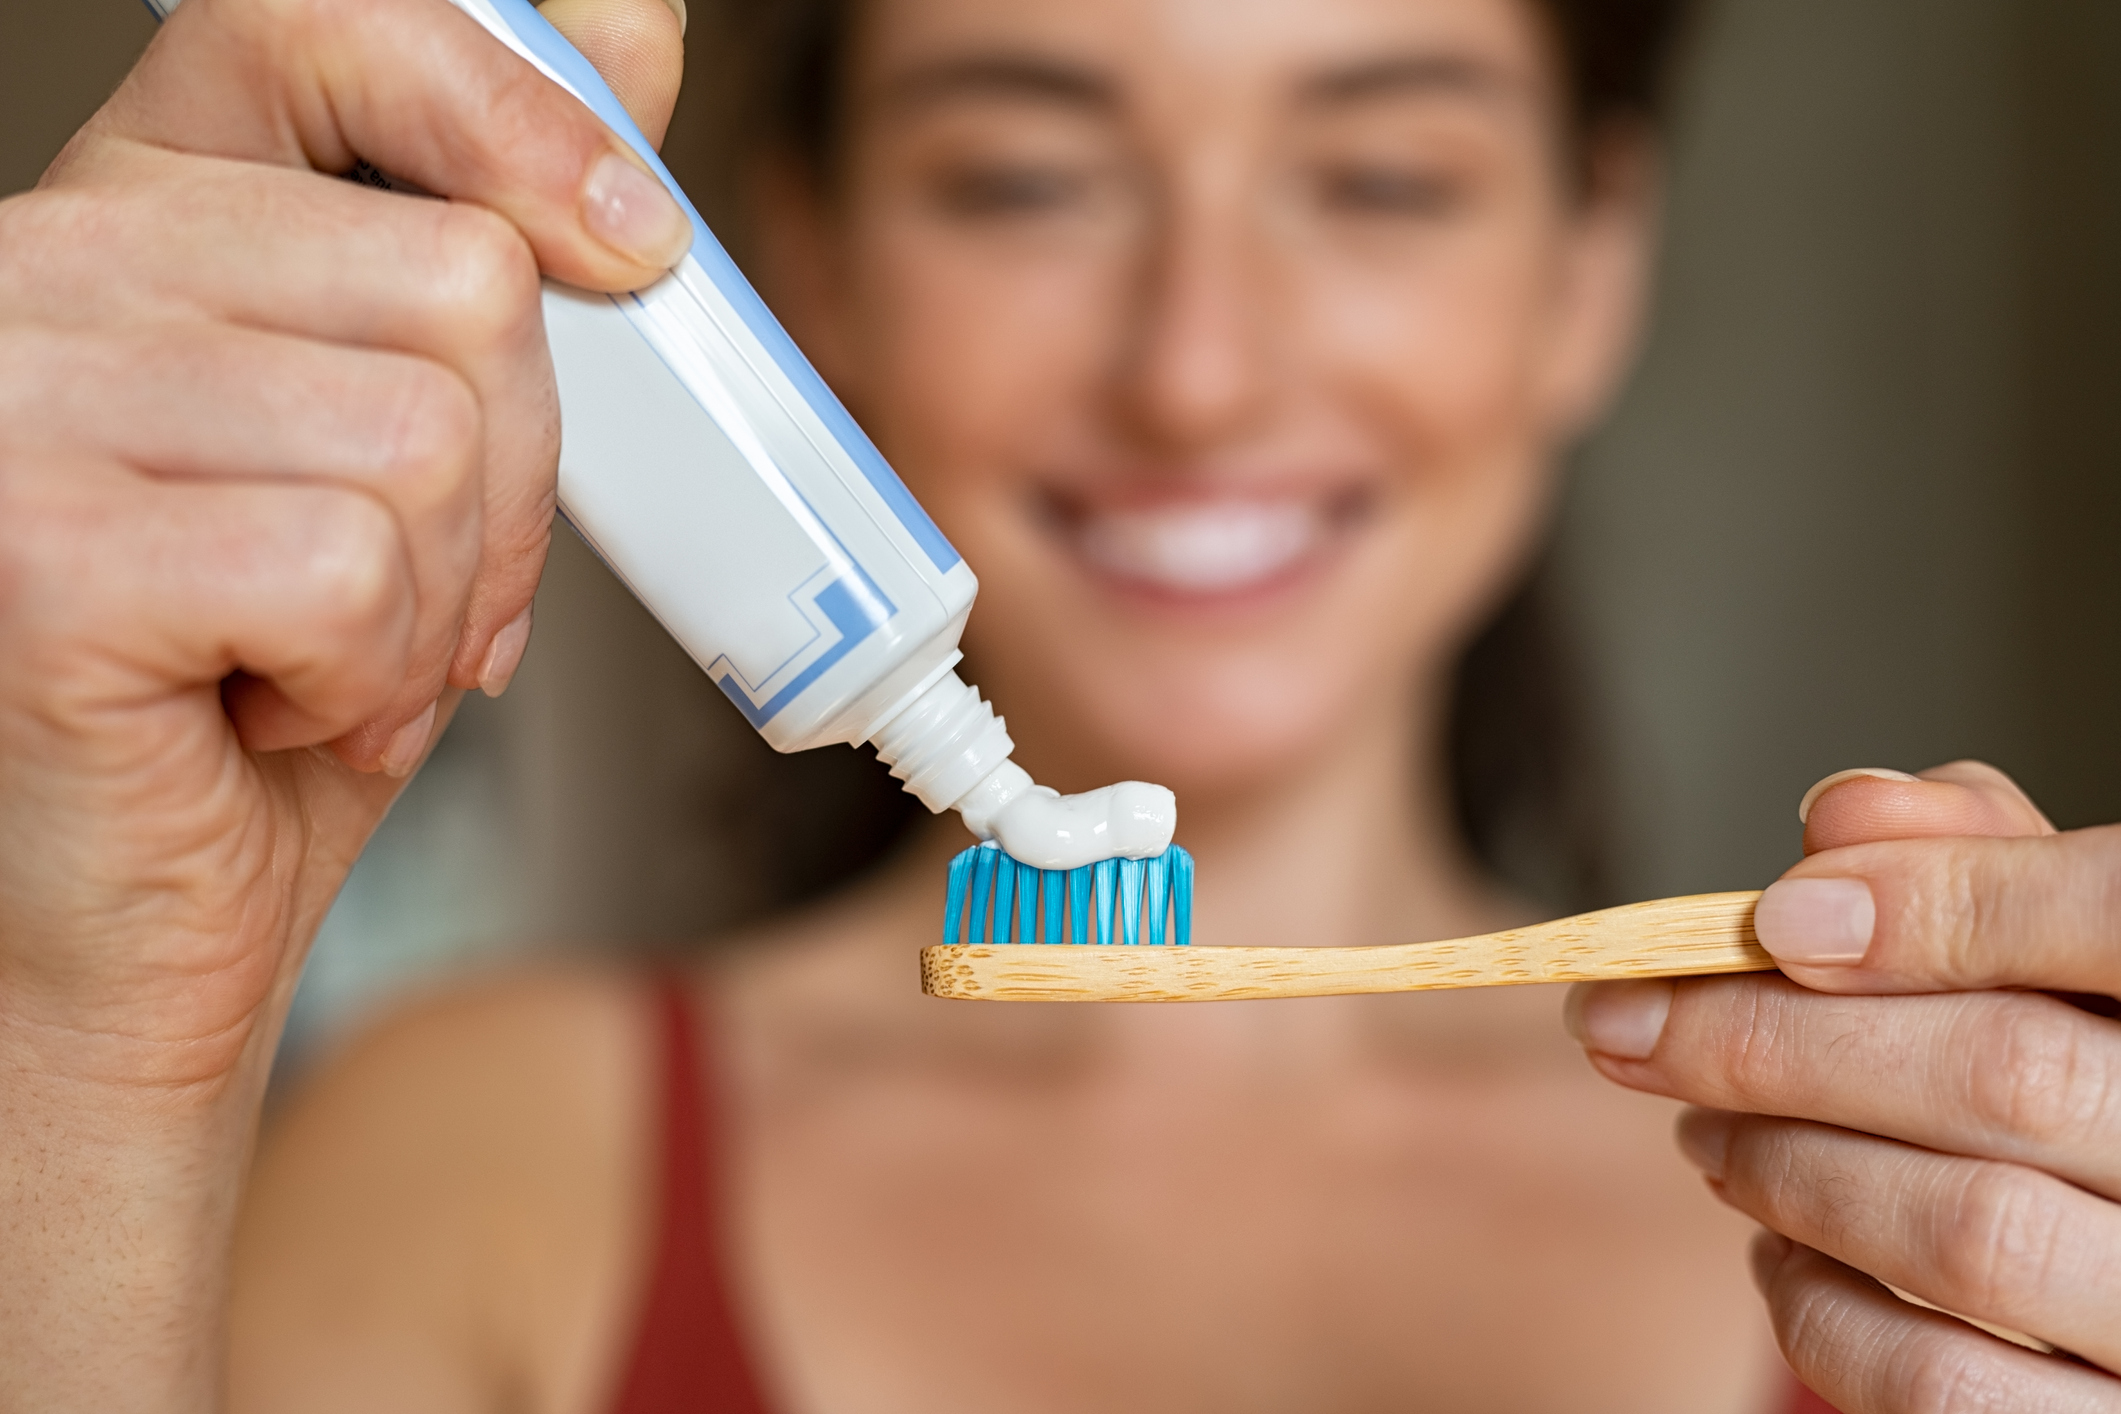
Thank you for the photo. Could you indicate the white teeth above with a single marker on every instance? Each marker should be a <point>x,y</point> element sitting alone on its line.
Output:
<point>1205,547</point>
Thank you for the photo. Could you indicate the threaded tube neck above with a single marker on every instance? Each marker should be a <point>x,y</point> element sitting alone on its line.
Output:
<point>944,743</point>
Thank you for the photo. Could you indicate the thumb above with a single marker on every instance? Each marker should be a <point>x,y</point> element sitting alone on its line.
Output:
<point>637,45</point>
<point>421,91</point>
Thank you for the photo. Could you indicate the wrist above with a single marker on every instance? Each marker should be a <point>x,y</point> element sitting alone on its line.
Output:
<point>123,1150</point>
<point>118,1207</point>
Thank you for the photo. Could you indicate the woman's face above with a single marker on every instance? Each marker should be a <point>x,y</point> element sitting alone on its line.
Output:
<point>1230,340</point>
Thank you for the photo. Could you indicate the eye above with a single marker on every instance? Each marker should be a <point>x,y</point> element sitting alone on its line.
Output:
<point>1011,189</point>
<point>1381,190</point>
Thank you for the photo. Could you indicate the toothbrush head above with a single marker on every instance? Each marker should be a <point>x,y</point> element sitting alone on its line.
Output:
<point>997,899</point>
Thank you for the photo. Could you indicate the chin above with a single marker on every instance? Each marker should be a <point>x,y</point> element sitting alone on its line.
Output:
<point>1183,734</point>
<point>1210,699</point>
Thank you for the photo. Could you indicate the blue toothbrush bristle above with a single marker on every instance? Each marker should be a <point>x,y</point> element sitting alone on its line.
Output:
<point>1156,899</point>
<point>960,890</point>
<point>1103,875</point>
<point>1004,896</point>
<point>1130,901</point>
<point>1181,896</point>
<point>1026,905</point>
<point>995,899</point>
<point>1053,890</point>
<point>978,911</point>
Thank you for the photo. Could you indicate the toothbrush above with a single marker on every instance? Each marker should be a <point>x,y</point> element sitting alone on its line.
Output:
<point>1675,937</point>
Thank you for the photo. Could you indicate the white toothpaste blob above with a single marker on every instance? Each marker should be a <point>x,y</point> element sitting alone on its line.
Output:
<point>1041,827</point>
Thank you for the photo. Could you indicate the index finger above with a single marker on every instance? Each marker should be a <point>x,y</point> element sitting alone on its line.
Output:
<point>419,90</point>
<point>1956,914</point>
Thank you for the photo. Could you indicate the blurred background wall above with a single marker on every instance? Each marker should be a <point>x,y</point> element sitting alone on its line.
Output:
<point>1862,505</point>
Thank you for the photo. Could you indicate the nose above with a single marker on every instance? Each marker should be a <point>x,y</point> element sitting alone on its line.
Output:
<point>1196,370</point>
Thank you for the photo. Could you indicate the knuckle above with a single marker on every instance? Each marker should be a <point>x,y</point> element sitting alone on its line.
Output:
<point>300,19</point>
<point>351,563</point>
<point>1805,1319</point>
<point>1814,1320</point>
<point>1755,1051</point>
<point>49,218</point>
<point>1825,1328</point>
<point>21,535</point>
<point>2036,1077</point>
<point>29,355</point>
<point>1842,1209</point>
<point>19,216</point>
<point>1939,1377</point>
<point>2001,1238</point>
<point>1947,912</point>
<point>2089,863</point>
<point>41,533</point>
<point>482,275</point>
<point>1972,771</point>
<point>431,426</point>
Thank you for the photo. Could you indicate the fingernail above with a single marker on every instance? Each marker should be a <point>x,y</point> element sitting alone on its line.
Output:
<point>1705,1138</point>
<point>1769,1251</point>
<point>678,7</point>
<point>408,743</point>
<point>504,655</point>
<point>1816,922</point>
<point>629,211</point>
<point>1621,1019</point>
<point>1878,773</point>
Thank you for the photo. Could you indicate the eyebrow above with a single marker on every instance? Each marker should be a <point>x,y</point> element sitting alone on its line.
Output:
<point>1044,80</point>
<point>1401,75</point>
<point>1001,76</point>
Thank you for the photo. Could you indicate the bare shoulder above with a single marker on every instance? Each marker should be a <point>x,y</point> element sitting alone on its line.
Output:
<point>449,1214</point>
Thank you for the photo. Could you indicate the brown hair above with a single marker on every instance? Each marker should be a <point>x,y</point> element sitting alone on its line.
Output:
<point>1520,745</point>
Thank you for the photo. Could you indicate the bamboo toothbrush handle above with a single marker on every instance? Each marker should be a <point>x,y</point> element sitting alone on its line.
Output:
<point>1672,937</point>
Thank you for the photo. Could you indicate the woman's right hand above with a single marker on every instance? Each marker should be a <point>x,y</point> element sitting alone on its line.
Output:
<point>276,477</point>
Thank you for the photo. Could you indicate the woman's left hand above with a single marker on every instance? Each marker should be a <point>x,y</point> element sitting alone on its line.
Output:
<point>1928,1095</point>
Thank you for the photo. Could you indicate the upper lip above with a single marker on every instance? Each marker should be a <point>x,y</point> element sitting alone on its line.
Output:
<point>1072,500</point>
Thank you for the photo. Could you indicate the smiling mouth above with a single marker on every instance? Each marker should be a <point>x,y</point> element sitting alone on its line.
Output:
<point>1213,546</point>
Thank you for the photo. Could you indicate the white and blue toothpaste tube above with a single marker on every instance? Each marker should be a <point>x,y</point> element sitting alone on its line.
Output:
<point>712,469</point>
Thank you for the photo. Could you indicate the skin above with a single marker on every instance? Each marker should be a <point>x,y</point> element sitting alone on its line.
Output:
<point>1942,1118</point>
<point>1343,1204</point>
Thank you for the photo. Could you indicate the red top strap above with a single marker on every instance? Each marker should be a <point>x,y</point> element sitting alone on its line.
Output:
<point>688,1354</point>
<point>1803,1401</point>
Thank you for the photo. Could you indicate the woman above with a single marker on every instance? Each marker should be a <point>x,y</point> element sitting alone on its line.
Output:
<point>1234,344</point>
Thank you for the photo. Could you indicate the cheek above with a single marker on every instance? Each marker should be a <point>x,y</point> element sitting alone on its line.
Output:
<point>1445,357</point>
<point>1443,362</point>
